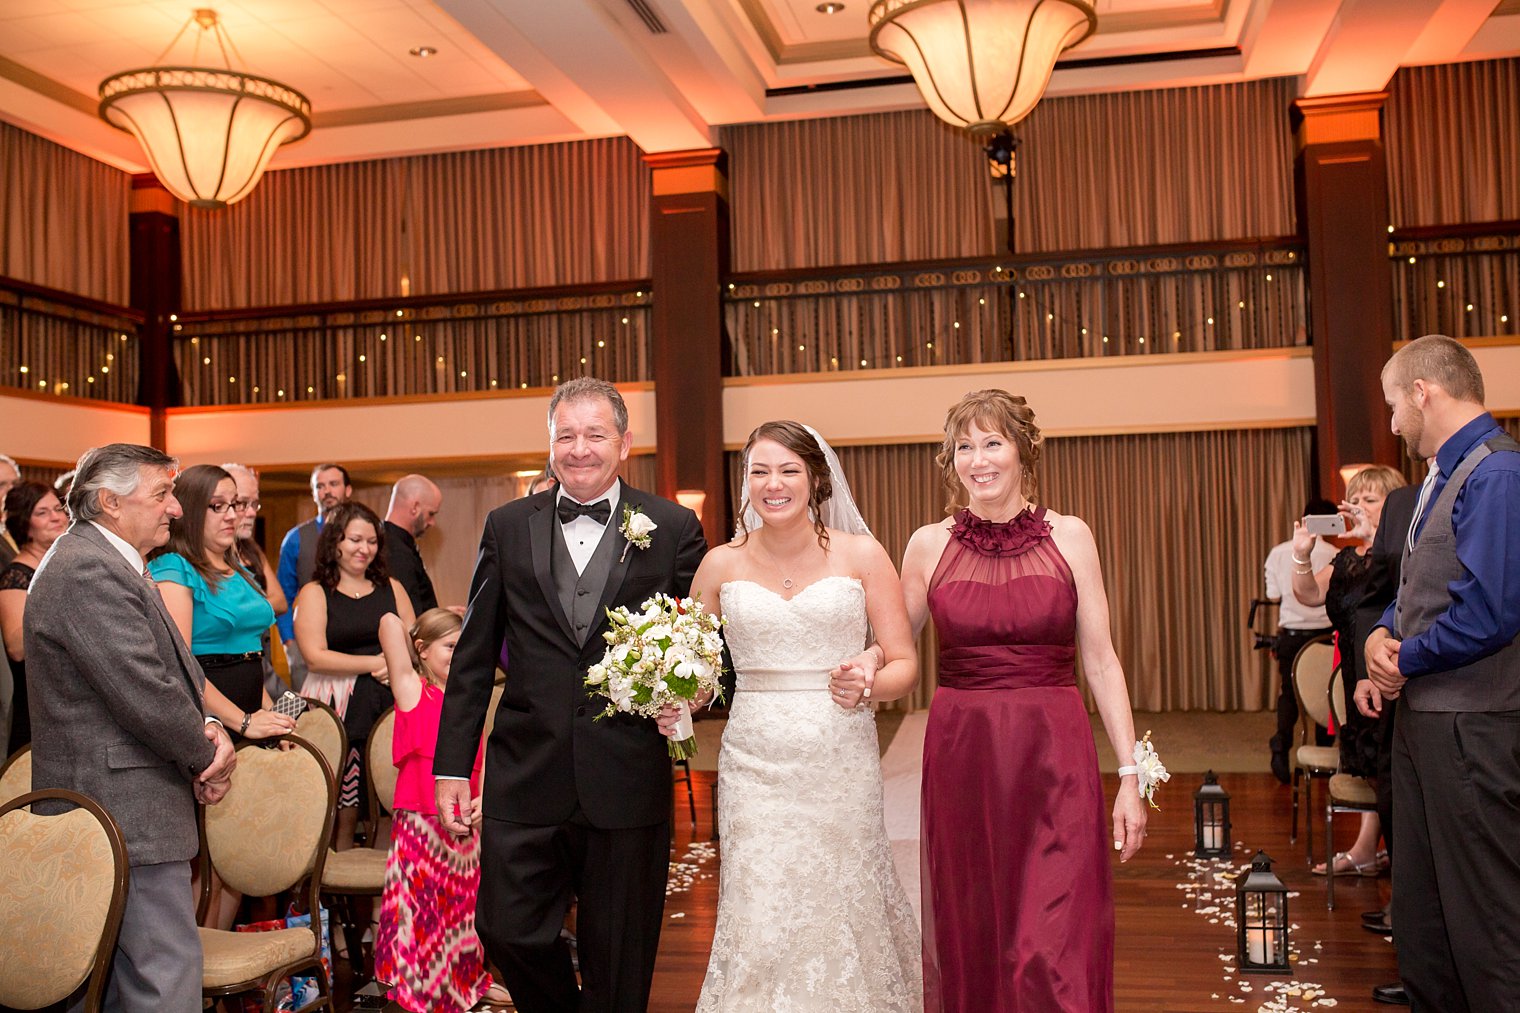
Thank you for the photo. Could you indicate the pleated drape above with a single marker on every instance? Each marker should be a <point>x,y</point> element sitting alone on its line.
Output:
<point>1183,523</point>
<point>1128,169</point>
<point>553,214</point>
<point>1453,140</point>
<point>63,218</point>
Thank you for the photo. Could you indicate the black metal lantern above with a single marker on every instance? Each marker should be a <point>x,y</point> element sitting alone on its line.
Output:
<point>1211,819</point>
<point>1261,919</point>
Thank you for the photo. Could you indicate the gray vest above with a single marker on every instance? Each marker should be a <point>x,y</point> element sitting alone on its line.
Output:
<point>1489,685</point>
<point>306,559</point>
<point>580,595</point>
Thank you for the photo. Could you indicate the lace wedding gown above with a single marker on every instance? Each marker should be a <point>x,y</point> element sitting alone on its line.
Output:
<point>811,915</point>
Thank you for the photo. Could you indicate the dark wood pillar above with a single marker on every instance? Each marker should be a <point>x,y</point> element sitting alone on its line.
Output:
<point>155,289</point>
<point>689,257</point>
<point>1342,183</point>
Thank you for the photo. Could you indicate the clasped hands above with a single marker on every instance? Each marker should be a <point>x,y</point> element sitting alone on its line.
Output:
<point>212,783</point>
<point>1384,680</point>
<point>458,811</point>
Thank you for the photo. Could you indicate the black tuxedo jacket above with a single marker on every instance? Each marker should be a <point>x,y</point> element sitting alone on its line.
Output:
<point>547,755</point>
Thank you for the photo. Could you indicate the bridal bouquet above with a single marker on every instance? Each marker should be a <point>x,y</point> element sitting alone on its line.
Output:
<point>669,652</point>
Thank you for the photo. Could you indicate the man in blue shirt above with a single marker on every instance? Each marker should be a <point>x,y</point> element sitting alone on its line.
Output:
<point>1447,648</point>
<point>298,556</point>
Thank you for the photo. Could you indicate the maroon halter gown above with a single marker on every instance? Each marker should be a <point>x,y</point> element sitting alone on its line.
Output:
<point>1018,905</point>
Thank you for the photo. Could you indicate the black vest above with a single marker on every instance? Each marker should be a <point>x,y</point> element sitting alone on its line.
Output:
<point>580,594</point>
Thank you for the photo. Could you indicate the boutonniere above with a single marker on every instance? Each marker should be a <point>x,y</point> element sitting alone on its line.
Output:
<point>636,527</point>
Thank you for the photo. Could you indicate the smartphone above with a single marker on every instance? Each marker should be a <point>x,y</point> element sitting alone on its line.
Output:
<point>1325,524</point>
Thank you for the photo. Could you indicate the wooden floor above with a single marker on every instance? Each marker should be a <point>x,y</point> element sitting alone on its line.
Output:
<point>1169,948</point>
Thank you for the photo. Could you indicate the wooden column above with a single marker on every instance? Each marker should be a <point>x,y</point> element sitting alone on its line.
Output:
<point>1342,184</point>
<point>689,256</point>
<point>155,289</point>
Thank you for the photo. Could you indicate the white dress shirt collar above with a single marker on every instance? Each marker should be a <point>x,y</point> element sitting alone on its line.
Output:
<point>120,544</point>
<point>612,496</point>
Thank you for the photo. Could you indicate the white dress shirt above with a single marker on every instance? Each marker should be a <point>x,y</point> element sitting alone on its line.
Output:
<point>1278,570</point>
<point>583,534</point>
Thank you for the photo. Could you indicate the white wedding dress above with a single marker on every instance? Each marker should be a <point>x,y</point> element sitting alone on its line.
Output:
<point>811,915</point>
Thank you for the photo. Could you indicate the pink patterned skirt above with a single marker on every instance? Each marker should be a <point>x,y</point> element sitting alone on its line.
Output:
<point>427,948</point>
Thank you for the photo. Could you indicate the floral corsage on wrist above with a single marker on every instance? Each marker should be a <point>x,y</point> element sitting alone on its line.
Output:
<point>1148,769</point>
<point>636,527</point>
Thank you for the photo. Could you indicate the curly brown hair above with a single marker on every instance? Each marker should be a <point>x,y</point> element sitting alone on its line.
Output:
<point>342,515</point>
<point>794,437</point>
<point>996,411</point>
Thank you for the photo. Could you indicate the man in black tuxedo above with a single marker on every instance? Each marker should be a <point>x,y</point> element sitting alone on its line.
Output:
<point>573,806</point>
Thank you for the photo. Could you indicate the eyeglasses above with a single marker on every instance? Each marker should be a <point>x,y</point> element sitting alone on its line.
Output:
<point>241,505</point>
<point>220,507</point>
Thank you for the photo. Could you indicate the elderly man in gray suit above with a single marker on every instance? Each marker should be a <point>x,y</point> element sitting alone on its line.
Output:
<point>117,713</point>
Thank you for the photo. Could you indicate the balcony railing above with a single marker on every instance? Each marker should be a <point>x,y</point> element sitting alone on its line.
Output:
<point>419,346</point>
<point>1141,301</point>
<point>1462,281</point>
<point>56,342</point>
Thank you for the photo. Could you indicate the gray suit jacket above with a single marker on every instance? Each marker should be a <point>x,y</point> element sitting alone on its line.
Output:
<point>116,696</point>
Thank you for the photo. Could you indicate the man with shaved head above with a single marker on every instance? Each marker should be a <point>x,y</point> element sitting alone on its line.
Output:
<point>415,502</point>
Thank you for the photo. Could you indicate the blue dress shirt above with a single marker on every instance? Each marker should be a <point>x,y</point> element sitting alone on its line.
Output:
<point>1485,602</point>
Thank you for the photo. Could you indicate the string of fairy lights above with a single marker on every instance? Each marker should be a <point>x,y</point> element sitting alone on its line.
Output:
<point>371,344</point>
<point>1036,298</point>
<point>1458,296</point>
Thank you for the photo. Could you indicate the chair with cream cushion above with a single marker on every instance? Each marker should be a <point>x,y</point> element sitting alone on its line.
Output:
<point>1313,668</point>
<point>360,871</point>
<point>320,725</point>
<point>63,886</point>
<point>16,775</point>
<point>269,835</point>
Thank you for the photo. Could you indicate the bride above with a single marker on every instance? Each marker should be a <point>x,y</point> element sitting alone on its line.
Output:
<point>811,915</point>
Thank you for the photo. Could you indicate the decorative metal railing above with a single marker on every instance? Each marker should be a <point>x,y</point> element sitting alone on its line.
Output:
<point>1142,301</point>
<point>55,342</point>
<point>1463,281</point>
<point>420,346</point>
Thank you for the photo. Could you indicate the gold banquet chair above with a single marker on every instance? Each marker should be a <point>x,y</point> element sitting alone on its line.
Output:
<point>1313,670</point>
<point>268,835</point>
<point>360,871</point>
<point>1345,793</point>
<point>16,775</point>
<point>63,887</point>
<point>320,725</point>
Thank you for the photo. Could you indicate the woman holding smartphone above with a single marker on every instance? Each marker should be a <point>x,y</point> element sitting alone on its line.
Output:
<point>1340,587</point>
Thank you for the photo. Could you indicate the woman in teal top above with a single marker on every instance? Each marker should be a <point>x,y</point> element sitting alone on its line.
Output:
<point>219,610</point>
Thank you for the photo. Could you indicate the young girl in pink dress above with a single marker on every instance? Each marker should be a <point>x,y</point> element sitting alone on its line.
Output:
<point>427,947</point>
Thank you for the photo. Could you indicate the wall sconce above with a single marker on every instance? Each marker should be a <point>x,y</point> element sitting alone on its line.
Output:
<point>693,500</point>
<point>1348,471</point>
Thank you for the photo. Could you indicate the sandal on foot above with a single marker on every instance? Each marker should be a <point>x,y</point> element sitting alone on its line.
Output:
<point>1345,865</point>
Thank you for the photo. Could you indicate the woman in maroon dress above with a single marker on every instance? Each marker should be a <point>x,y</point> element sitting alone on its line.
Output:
<point>1018,906</point>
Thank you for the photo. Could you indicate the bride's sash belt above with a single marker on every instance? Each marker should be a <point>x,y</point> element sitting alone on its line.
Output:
<point>772,680</point>
<point>1010,666</point>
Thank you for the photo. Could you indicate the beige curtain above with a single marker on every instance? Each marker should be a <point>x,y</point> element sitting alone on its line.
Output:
<point>1128,169</point>
<point>554,214</point>
<point>1467,291</point>
<point>1183,522</point>
<point>63,218</point>
<point>1452,134</point>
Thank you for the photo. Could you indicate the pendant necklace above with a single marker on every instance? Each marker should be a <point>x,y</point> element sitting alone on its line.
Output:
<point>786,582</point>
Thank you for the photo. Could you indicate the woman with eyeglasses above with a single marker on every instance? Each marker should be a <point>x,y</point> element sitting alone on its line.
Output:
<point>217,604</point>
<point>34,518</point>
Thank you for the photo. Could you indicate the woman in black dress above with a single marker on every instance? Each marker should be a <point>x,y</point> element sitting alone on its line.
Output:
<point>34,518</point>
<point>1340,587</point>
<point>337,625</point>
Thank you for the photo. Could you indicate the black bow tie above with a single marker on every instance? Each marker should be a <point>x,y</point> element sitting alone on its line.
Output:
<point>569,510</point>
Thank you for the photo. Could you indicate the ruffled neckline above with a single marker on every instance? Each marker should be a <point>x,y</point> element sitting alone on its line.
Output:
<point>1002,538</point>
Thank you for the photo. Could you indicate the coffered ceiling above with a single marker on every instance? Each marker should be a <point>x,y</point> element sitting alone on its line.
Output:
<point>664,72</point>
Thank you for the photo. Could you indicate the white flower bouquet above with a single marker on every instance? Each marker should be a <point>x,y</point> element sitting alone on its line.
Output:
<point>668,653</point>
